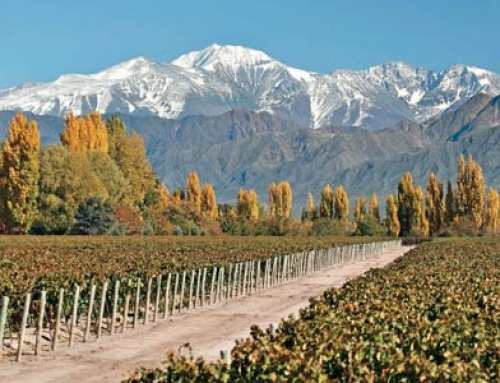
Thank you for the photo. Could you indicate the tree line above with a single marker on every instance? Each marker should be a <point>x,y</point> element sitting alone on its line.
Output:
<point>98,180</point>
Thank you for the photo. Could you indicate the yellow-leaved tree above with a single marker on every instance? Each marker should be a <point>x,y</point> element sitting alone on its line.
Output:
<point>405,204</point>
<point>209,201</point>
<point>373,211</point>
<point>449,204</point>
<point>326,202</point>
<point>476,193</point>
<point>493,204</point>
<point>85,134</point>
<point>392,220</point>
<point>310,207</point>
<point>20,174</point>
<point>285,194</point>
<point>359,213</point>
<point>247,204</point>
<point>280,200</point>
<point>193,192</point>
<point>128,150</point>
<point>341,205</point>
<point>462,192</point>
<point>434,204</point>
<point>273,200</point>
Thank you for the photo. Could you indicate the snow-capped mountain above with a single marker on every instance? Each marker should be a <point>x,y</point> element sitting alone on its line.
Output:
<point>223,78</point>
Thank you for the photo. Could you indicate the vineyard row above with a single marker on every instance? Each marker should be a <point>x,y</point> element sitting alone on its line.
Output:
<point>48,319</point>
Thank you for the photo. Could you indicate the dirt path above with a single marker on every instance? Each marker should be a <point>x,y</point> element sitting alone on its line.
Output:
<point>208,330</point>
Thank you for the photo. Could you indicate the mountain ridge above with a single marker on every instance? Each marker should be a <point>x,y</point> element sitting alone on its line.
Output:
<point>218,79</point>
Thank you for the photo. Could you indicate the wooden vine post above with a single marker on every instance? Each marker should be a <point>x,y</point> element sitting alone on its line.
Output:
<point>27,303</point>
<point>115,307</point>
<point>148,300</point>
<point>74,315</point>
<point>127,307</point>
<point>167,295</point>
<point>137,302</point>
<point>39,328</point>
<point>57,328</point>
<point>101,309</point>
<point>157,298</point>
<point>3,321</point>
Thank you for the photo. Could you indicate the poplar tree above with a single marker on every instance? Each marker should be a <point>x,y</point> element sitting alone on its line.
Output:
<point>247,204</point>
<point>449,203</point>
<point>286,199</point>
<point>117,132</point>
<point>424,224</point>
<point>462,186</point>
<point>273,200</point>
<point>392,221</point>
<point>341,205</point>
<point>374,212</point>
<point>493,204</point>
<point>417,212</point>
<point>435,204</point>
<point>359,213</point>
<point>405,203</point>
<point>253,204</point>
<point>311,207</point>
<point>476,193</point>
<point>193,192</point>
<point>85,134</point>
<point>20,174</point>
<point>128,150</point>
<point>326,203</point>
<point>209,201</point>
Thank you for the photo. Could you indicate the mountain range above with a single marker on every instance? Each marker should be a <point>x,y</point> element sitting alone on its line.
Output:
<point>219,79</point>
<point>242,119</point>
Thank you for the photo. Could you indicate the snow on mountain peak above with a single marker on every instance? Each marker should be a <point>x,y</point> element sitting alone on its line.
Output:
<point>219,78</point>
<point>137,66</point>
<point>227,54</point>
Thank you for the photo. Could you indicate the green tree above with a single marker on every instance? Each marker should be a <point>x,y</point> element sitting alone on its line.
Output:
<point>94,217</point>
<point>67,180</point>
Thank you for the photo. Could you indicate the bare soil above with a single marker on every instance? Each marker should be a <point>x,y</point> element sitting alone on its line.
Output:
<point>208,330</point>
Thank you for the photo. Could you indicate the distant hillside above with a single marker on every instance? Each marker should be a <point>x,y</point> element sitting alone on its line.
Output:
<point>251,150</point>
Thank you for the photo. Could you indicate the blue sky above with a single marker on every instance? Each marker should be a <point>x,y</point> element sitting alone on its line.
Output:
<point>39,40</point>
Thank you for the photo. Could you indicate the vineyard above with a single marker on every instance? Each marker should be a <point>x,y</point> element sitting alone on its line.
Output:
<point>432,315</point>
<point>49,263</point>
<point>82,287</point>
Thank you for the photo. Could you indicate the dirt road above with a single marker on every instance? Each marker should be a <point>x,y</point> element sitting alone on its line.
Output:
<point>208,330</point>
